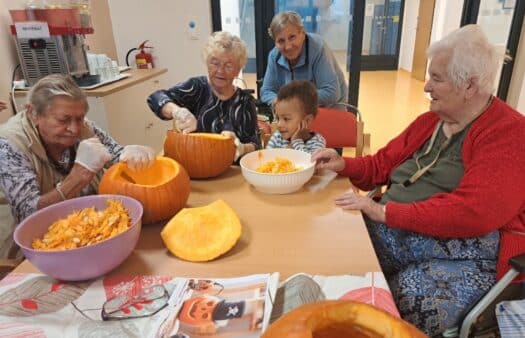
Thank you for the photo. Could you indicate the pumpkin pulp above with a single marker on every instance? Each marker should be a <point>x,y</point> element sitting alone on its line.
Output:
<point>161,172</point>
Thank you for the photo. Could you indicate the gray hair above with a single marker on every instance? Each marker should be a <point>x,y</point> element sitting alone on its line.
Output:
<point>471,56</point>
<point>282,20</point>
<point>47,88</point>
<point>225,42</point>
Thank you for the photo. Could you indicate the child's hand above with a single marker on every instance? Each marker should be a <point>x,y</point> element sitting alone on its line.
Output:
<point>302,132</point>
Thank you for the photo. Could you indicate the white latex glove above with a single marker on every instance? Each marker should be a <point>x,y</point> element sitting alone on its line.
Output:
<point>239,147</point>
<point>184,120</point>
<point>137,157</point>
<point>92,154</point>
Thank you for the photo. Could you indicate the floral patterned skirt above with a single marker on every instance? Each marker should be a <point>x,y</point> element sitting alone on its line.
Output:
<point>435,281</point>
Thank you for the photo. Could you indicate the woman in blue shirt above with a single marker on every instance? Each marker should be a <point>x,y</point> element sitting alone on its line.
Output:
<point>298,55</point>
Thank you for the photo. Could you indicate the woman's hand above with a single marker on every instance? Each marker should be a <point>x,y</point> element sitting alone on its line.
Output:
<point>71,186</point>
<point>302,132</point>
<point>351,200</point>
<point>328,158</point>
<point>184,120</point>
<point>92,154</point>
<point>240,148</point>
<point>137,157</point>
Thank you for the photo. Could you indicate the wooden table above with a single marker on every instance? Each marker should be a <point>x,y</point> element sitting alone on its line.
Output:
<point>299,232</point>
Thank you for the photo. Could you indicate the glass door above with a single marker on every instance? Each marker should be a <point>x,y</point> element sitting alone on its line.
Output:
<point>501,21</point>
<point>382,34</point>
<point>333,20</point>
<point>328,18</point>
<point>238,17</point>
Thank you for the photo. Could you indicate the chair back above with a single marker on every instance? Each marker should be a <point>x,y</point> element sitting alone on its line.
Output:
<point>341,129</point>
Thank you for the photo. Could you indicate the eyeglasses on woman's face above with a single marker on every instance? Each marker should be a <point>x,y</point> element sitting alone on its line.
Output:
<point>227,65</point>
<point>222,70</point>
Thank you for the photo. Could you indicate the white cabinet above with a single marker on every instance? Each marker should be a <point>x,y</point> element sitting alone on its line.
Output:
<point>128,117</point>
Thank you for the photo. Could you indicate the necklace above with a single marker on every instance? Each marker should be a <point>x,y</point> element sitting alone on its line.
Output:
<point>421,170</point>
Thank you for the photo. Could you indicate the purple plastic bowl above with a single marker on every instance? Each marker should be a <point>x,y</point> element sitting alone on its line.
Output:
<point>83,263</point>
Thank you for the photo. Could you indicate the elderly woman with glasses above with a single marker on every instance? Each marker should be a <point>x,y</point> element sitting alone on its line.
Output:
<point>50,152</point>
<point>454,209</point>
<point>213,103</point>
<point>298,55</point>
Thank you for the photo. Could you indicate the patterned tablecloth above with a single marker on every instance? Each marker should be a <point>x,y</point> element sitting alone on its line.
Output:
<point>35,305</point>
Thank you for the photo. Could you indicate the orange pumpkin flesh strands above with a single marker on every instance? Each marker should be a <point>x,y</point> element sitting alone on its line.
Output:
<point>162,189</point>
<point>85,227</point>
<point>278,166</point>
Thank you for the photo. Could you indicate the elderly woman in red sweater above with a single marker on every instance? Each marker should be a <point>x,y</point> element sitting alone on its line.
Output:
<point>454,210</point>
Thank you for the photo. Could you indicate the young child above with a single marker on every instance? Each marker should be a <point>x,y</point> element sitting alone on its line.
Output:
<point>295,108</point>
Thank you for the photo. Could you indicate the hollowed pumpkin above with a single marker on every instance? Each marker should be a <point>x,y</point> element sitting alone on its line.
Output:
<point>339,318</point>
<point>203,233</point>
<point>203,155</point>
<point>163,188</point>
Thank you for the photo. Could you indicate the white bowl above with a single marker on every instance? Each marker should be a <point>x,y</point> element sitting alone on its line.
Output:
<point>277,183</point>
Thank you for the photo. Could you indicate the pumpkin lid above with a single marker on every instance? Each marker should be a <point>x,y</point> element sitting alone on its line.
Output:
<point>202,233</point>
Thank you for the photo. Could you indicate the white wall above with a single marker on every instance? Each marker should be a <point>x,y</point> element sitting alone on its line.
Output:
<point>516,95</point>
<point>447,17</point>
<point>495,21</point>
<point>520,105</point>
<point>8,56</point>
<point>332,23</point>
<point>230,12</point>
<point>408,35</point>
<point>165,24</point>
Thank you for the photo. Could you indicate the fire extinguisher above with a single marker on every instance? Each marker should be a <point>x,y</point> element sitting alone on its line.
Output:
<point>143,59</point>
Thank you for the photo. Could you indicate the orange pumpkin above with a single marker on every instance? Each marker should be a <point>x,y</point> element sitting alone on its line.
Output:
<point>163,188</point>
<point>203,155</point>
<point>202,234</point>
<point>340,318</point>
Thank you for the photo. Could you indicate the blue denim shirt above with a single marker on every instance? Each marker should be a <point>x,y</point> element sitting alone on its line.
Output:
<point>316,64</point>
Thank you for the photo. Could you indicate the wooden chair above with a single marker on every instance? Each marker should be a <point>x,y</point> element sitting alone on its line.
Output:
<point>341,129</point>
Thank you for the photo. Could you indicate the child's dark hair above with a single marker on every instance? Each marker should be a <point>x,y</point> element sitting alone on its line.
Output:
<point>304,91</point>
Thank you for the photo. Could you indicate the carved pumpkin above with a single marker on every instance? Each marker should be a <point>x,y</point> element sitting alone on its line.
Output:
<point>203,155</point>
<point>163,188</point>
<point>339,318</point>
<point>202,234</point>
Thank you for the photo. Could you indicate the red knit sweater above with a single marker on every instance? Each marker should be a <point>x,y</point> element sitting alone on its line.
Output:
<point>490,195</point>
